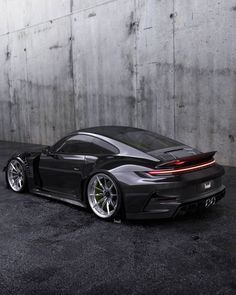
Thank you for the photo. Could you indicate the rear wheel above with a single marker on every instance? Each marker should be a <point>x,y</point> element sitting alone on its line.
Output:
<point>16,176</point>
<point>103,196</point>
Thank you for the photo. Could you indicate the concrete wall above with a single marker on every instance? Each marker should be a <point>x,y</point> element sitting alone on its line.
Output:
<point>165,65</point>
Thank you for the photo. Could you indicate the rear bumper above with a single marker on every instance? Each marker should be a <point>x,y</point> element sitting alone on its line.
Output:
<point>200,204</point>
<point>161,196</point>
<point>168,208</point>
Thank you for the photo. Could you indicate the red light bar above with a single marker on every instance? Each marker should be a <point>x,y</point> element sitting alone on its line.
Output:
<point>187,169</point>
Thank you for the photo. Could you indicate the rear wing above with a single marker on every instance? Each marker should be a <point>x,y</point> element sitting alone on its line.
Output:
<point>185,164</point>
<point>189,160</point>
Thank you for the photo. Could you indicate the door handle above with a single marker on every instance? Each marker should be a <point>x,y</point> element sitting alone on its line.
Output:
<point>76,169</point>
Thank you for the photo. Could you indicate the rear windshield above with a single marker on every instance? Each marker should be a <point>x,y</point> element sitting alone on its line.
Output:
<point>145,141</point>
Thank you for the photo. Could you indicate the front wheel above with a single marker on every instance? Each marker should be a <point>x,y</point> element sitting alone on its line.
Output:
<point>16,176</point>
<point>103,195</point>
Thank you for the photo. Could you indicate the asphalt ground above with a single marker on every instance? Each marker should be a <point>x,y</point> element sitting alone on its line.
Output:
<point>49,247</point>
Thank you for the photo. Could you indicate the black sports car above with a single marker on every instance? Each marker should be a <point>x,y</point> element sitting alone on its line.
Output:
<point>112,169</point>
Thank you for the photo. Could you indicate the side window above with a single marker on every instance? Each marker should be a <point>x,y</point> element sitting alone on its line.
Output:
<point>87,145</point>
<point>58,144</point>
<point>78,144</point>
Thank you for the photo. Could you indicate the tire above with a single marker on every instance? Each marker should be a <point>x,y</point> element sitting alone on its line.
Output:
<point>103,195</point>
<point>16,176</point>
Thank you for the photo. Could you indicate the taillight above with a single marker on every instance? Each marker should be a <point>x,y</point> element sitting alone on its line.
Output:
<point>181,170</point>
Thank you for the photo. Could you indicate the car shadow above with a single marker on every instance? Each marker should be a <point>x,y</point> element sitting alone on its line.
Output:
<point>210,214</point>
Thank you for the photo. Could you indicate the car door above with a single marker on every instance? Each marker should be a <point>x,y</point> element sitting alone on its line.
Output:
<point>62,170</point>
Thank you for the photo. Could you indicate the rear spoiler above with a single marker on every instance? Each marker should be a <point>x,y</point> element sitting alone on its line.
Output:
<point>185,164</point>
<point>202,157</point>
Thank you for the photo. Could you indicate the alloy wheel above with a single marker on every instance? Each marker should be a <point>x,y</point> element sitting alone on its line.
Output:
<point>16,175</point>
<point>103,195</point>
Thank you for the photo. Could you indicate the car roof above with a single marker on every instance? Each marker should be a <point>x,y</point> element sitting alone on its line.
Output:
<point>109,131</point>
<point>144,140</point>
<point>131,141</point>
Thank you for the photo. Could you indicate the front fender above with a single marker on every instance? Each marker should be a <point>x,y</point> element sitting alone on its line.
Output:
<point>18,156</point>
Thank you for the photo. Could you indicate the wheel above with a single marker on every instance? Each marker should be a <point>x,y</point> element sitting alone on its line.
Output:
<point>103,196</point>
<point>16,176</point>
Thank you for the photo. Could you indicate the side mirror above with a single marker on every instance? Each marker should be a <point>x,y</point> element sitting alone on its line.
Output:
<point>46,150</point>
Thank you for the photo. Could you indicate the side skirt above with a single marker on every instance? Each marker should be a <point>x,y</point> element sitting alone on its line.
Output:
<point>57,197</point>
